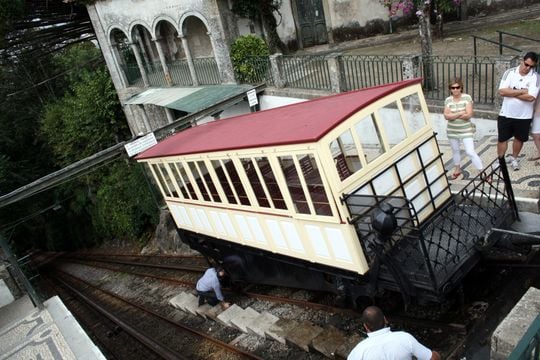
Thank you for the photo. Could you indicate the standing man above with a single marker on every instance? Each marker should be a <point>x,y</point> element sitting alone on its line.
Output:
<point>519,89</point>
<point>382,343</point>
<point>209,287</point>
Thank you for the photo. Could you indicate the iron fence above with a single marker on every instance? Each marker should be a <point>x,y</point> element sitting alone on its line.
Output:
<point>360,71</point>
<point>133,75</point>
<point>155,74</point>
<point>180,74</point>
<point>429,259</point>
<point>305,72</point>
<point>255,70</point>
<point>207,71</point>
<point>477,73</point>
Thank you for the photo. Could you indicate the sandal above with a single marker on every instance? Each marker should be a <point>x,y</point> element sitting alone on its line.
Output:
<point>454,176</point>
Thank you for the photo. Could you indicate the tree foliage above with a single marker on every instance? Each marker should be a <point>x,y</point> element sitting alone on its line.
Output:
<point>263,12</point>
<point>244,53</point>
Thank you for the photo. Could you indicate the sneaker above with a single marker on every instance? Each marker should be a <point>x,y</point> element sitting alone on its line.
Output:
<point>510,159</point>
<point>515,164</point>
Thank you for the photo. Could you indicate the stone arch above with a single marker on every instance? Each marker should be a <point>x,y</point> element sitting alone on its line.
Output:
<point>167,33</point>
<point>142,37</point>
<point>196,32</point>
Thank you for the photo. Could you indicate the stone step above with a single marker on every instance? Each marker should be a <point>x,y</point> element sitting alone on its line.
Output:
<point>328,341</point>
<point>303,334</point>
<point>244,318</point>
<point>261,324</point>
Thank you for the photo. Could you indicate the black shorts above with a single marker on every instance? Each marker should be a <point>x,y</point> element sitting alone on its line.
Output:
<point>508,127</point>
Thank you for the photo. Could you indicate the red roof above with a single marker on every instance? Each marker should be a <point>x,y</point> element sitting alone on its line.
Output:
<point>303,122</point>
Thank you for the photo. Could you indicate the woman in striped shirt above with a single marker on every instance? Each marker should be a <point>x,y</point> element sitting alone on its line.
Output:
<point>458,111</point>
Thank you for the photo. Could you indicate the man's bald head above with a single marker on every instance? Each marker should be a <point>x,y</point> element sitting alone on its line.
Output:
<point>373,318</point>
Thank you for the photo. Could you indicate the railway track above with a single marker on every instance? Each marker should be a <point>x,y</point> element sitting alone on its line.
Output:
<point>296,304</point>
<point>158,334</point>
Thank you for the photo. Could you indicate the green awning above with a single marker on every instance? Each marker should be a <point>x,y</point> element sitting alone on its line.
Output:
<point>189,99</point>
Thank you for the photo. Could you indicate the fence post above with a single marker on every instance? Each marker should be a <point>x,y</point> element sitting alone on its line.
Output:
<point>276,73</point>
<point>336,73</point>
<point>410,66</point>
<point>501,65</point>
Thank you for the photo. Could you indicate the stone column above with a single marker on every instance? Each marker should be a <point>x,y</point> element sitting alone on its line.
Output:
<point>118,60</point>
<point>140,64</point>
<point>337,81</point>
<point>170,115</point>
<point>223,60</point>
<point>410,66</point>
<point>146,121</point>
<point>185,46</point>
<point>276,73</point>
<point>163,61</point>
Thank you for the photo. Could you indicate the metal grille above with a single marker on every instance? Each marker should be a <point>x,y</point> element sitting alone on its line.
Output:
<point>364,71</point>
<point>433,256</point>
<point>305,72</point>
<point>255,70</point>
<point>477,74</point>
<point>207,71</point>
<point>180,74</point>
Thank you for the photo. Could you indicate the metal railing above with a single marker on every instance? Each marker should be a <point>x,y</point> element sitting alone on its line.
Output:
<point>477,73</point>
<point>180,74</point>
<point>360,71</point>
<point>255,70</point>
<point>435,255</point>
<point>207,71</point>
<point>305,72</point>
<point>133,75</point>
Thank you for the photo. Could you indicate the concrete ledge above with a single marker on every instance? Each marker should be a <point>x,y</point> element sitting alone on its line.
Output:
<point>515,324</point>
<point>303,334</point>
<point>244,318</point>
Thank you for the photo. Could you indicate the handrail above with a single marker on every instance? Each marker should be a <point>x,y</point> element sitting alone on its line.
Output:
<point>501,45</point>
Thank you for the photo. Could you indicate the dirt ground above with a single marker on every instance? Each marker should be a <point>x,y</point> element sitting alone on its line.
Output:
<point>463,44</point>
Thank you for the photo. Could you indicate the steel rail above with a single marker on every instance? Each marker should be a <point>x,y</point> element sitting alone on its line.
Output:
<point>131,263</point>
<point>159,349</point>
<point>152,312</point>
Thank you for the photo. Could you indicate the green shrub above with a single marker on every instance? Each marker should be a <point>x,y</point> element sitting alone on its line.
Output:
<point>249,55</point>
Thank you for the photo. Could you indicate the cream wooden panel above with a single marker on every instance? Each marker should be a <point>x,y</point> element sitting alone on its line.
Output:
<point>317,241</point>
<point>244,228</point>
<point>291,234</point>
<point>277,234</point>
<point>228,225</point>
<point>338,243</point>
<point>256,230</point>
<point>218,225</point>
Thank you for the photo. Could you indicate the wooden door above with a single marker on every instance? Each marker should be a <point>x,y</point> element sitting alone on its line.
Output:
<point>311,22</point>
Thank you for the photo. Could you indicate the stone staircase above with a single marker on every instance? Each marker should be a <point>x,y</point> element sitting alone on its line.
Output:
<point>304,334</point>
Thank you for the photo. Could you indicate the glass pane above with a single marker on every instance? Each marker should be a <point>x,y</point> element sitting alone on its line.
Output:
<point>413,112</point>
<point>271,183</point>
<point>293,183</point>
<point>209,181</point>
<point>198,181</point>
<point>160,180</point>
<point>255,182</point>
<point>314,183</point>
<point>345,155</point>
<point>370,138</point>
<point>237,184</point>
<point>178,178</point>
<point>168,181</point>
<point>189,186</point>
<point>224,181</point>
<point>392,124</point>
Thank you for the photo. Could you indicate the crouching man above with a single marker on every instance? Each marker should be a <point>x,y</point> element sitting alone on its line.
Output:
<point>209,287</point>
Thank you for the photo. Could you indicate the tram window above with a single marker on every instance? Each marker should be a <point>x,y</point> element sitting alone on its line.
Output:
<point>392,124</point>
<point>237,183</point>
<point>159,175</point>
<point>209,181</point>
<point>168,181</point>
<point>370,138</point>
<point>345,155</point>
<point>179,179</point>
<point>185,177</point>
<point>271,183</point>
<point>413,112</point>
<point>293,183</point>
<point>255,182</point>
<point>314,184</point>
<point>198,180</point>
<point>224,182</point>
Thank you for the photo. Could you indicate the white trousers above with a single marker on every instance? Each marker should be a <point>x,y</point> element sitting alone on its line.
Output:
<point>468,144</point>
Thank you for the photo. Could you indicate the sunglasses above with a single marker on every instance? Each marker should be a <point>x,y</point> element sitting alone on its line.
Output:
<point>528,65</point>
<point>455,87</point>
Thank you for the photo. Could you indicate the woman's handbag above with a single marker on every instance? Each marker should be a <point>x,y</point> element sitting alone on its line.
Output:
<point>473,127</point>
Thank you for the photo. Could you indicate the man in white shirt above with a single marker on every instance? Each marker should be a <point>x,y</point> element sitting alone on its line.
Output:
<point>519,88</point>
<point>384,344</point>
<point>209,288</point>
